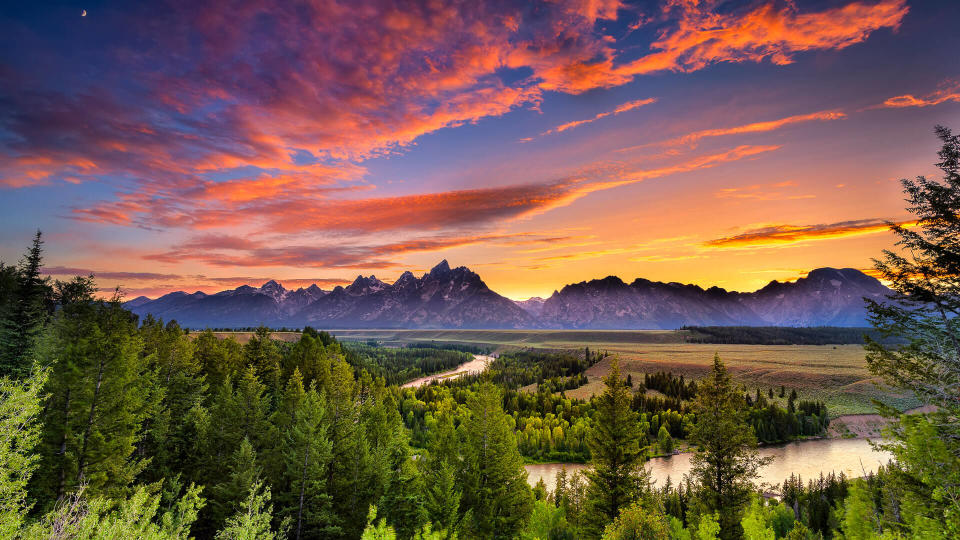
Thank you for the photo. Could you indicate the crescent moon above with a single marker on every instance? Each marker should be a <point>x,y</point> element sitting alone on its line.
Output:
<point>84,13</point>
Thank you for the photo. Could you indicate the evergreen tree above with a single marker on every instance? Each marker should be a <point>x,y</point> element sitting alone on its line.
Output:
<point>99,393</point>
<point>442,494</point>
<point>925,310</point>
<point>307,453</point>
<point>858,514</point>
<point>618,477</point>
<point>252,521</point>
<point>25,313</point>
<point>239,478</point>
<point>350,475</point>
<point>262,355</point>
<point>726,460</point>
<point>239,412</point>
<point>495,487</point>
<point>170,439</point>
<point>664,440</point>
<point>20,403</point>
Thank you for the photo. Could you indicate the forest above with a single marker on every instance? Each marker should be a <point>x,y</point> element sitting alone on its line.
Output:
<point>785,335</point>
<point>114,427</point>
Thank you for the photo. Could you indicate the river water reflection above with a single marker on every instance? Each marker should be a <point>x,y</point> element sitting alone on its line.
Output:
<point>853,457</point>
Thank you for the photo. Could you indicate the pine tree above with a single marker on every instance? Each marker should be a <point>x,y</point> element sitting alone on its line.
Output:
<point>262,355</point>
<point>20,403</point>
<point>170,439</point>
<point>495,486</point>
<point>239,411</point>
<point>618,477</point>
<point>307,453</point>
<point>925,310</point>
<point>664,440</point>
<point>26,313</point>
<point>252,521</point>
<point>99,394</point>
<point>442,494</point>
<point>239,478</point>
<point>726,461</point>
<point>350,475</point>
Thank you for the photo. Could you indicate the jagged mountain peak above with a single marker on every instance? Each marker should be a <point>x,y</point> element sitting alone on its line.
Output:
<point>458,298</point>
<point>273,290</point>
<point>365,285</point>
<point>443,267</point>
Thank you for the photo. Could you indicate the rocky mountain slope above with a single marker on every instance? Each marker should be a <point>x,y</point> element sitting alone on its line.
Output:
<point>457,298</point>
<point>826,297</point>
<point>443,298</point>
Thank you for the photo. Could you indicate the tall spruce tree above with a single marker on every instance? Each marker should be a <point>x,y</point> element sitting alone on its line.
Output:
<point>726,460</point>
<point>99,393</point>
<point>924,272</point>
<point>350,475</point>
<point>238,478</point>
<point>618,477</point>
<point>25,312</point>
<point>442,491</point>
<point>306,452</point>
<point>169,436</point>
<point>495,489</point>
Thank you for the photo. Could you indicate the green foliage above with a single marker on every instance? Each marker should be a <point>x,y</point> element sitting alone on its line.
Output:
<point>547,522</point>
<point>709,527</point>
<point>756,522</point>
<point>306,452</point>
<point>618,477</point>
<point>137,516</point>
<point>25,303</point>
<point>399,365</point>
<point>783,335</point>
<point>638,522</point>
<point>726,461</point>
<point>495,489</point>
<point>100,393</point>
<point>19,434</point>
<point>239,478</point>
<point>664,440</point>
<point>814,503</point>
<point>252,520</point>
<point>859,518</point>
<point>925,310</point>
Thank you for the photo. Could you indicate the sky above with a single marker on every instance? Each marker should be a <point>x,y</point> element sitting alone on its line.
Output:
<point>203,145</point>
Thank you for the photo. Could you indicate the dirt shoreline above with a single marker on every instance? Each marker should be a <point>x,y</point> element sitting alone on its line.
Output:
<point>864,426</point>
<point>477,365</point>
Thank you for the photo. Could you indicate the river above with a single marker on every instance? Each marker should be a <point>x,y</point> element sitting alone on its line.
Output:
<point>853,457</point>
<point>477,365</point>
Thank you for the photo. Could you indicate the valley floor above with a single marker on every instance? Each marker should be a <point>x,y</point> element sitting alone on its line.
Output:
<point>834,374</point>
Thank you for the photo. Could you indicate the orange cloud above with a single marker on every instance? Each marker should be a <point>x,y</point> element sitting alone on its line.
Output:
<point>292,213</point>
<point>245,252</point>
<point>948,91</point>
<point>703,37</point>
<point>762,192</point>
<point>755,127</point>
<point>628,106</point>
<point>775,236</point>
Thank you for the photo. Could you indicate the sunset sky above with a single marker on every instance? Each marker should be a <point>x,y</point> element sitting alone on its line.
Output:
<point>202,145</point>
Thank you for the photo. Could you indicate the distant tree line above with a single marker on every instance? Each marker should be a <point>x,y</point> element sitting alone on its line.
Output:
<point>785,335</point>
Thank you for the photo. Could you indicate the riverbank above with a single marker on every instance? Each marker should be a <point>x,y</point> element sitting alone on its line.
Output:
<point>864,426</point>
<point>477,365</point>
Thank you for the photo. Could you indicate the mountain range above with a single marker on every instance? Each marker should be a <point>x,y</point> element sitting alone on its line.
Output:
<point>457,298</point>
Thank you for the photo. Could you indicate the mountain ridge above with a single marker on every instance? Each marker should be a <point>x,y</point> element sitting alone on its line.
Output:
<point>448,297</point>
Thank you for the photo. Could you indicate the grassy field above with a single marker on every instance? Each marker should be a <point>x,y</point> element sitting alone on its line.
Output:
<point>835,374</point>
